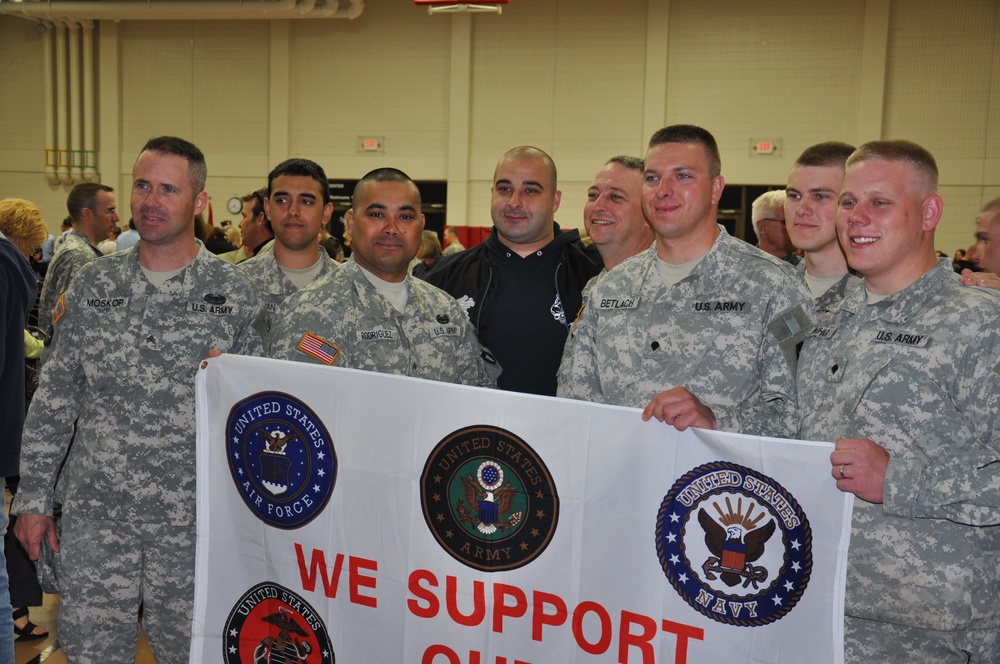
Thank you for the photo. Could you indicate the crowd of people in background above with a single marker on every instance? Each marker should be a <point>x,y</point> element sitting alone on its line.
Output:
<point>842,324</point>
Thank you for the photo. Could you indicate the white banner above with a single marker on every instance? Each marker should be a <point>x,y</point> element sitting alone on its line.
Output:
<point>354,517</point>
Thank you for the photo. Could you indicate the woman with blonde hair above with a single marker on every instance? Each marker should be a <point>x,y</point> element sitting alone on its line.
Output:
<point>21,222</point>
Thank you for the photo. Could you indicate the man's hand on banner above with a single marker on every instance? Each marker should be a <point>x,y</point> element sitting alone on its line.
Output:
<point>680,408</point>
<point>859,467</point>
<point>215,352</point>
<point>30,529</point>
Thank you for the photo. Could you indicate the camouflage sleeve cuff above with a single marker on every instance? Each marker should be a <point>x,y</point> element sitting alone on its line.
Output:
<point>726,419</point>
<point>902,488</point>
<point>26,502</point>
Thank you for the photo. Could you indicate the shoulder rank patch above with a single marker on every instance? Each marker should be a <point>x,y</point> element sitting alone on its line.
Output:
<point>59,309</point>
<point>321,349</point>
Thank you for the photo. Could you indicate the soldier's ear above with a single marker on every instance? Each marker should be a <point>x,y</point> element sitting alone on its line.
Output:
<point>932,209</point>
<point>200,202</point>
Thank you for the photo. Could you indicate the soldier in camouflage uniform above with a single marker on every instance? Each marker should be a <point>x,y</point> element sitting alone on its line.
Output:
<point>903,376</point>
<point>986,254</point>
<point>702,311</point>
<point>130,333</point>
<point>298,206</point>
<point>370,313</point>
<point>93,210</point>
<point>810,214</point>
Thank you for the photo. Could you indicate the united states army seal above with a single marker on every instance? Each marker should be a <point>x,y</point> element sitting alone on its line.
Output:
<point>270,623</point>
<point>489,499</point>
<point>734,544</point>
<point>281,458</point>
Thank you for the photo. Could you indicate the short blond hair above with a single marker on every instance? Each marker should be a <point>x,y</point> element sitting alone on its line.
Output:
<point>21,221</point>
<point>917,156</point>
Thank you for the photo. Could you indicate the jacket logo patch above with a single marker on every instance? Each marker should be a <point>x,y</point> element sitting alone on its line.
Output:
<point>557,310</point>
<point>466,303</point>
<point>212,298</point>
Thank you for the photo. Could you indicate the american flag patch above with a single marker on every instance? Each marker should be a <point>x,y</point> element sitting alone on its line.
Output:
<point>59,309</point>
<point>321,349</point>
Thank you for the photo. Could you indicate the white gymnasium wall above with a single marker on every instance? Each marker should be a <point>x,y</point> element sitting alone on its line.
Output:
<point>943,91</point>
<point>582,79</point>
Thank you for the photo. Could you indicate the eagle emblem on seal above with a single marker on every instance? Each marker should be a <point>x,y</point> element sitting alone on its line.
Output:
<point>735,542</point>
<point>488,501</point>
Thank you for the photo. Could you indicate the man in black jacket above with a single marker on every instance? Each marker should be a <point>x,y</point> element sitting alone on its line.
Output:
<point>521,287</point>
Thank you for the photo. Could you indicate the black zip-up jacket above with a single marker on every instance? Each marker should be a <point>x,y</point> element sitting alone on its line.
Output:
<point>476,272</point>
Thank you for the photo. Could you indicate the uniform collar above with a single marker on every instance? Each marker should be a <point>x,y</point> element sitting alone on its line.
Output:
<point>898,307</point>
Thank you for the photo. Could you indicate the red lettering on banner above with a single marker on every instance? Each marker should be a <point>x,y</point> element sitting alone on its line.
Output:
<point>478,614</point>
<point>641,640</point>
<point>683,632</point>
<point>414,585</point>
<point>539,617</point>
<point>501,609</point>
<point>359,581</point>
<point>430,655</point>
<point>317,568</point>
<point>602,644</point>
<point>635,631</point>
<point>451,657</point>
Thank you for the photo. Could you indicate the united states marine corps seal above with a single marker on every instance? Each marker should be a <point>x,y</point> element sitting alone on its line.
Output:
<point>489,499</point>
<point>271,624</point>
<point>734,544</point>
<point>281,458</point>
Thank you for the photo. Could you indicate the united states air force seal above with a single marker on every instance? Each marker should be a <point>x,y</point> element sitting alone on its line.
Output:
<point>281,458</point>
<point>489,499</point>
<point>270,624</point>
<point>734,544</point>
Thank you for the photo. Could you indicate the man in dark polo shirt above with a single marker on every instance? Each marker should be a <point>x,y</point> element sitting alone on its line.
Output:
<point>522,286</point>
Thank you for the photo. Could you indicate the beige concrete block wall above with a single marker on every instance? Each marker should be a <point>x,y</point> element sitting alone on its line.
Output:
<point>582,79</point>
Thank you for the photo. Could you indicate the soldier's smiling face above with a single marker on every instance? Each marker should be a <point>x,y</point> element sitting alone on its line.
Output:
<point>385,225</point>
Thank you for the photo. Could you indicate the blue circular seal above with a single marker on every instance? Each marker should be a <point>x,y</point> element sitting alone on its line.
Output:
<point>734,544</point>
<point>281,458</point>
